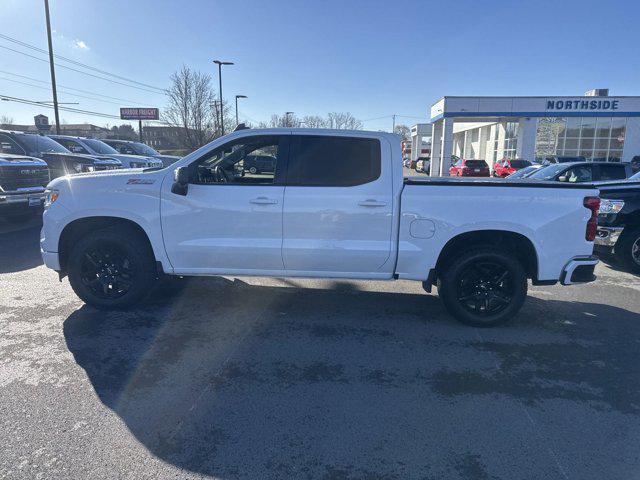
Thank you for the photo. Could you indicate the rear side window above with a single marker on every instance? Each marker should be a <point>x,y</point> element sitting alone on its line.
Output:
<point>612,172</point>
<point>476,164</point>
<point>333,161</point>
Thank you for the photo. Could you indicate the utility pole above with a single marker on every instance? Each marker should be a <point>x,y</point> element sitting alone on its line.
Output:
<point>220,63</point>
<point>393,128</point>
<point>140,130</point>
<point>52,67</point>
<point>286,116</point>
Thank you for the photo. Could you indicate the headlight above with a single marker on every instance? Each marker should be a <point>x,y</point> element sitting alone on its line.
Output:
<point>50,196</point>
<point>610,206</point>
<point>77,166</point>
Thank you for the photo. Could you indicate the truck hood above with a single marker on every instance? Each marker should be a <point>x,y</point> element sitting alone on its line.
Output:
<point>21,161</point>
<point>113,179</point>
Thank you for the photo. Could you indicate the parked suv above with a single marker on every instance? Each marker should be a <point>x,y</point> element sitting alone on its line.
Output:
<point>128,147</point>
<point>469,168</point>
<point>259,164</point>
<point>579,172</point>
<point>22,184</point>
<point>59,160</point>
<point>619,221</point>
<point>505,167</point>
<point>98,148</point>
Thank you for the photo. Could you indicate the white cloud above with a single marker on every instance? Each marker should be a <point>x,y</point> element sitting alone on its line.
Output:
<point>79,44</point>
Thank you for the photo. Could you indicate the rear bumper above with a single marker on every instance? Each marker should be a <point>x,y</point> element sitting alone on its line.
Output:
<point>608,236</point>
<point>579,270</point>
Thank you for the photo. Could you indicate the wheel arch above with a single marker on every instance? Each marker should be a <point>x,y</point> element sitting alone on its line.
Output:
<point>80,226</point>
<point>504,239</point>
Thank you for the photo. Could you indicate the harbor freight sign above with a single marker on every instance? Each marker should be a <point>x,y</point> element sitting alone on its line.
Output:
<point>139,114</point>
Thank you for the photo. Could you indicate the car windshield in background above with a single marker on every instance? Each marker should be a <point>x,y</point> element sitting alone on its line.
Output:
<point>476,164</point>
<point>142,149</point>
<point>34,144</point>
<point>635,177</point>
<point>520,163</point>
<point>549,172</point>
<point>523,172</point>
<point>100,147</point>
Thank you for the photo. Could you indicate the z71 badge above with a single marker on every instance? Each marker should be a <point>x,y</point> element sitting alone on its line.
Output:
<point>140,181</point>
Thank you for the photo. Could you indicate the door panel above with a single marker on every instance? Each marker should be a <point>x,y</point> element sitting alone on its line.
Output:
<point>337,229</point>
<point>230,221</point>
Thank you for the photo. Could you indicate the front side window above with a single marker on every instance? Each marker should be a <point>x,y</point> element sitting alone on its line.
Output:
<point>577,174</point>
<point>71,145</point>
<point>7,145</point>
<point>333,161</point>
<point>247,161</point>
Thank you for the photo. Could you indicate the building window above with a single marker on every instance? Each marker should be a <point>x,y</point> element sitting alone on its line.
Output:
<point>600,138</point>
<point>510,140</point>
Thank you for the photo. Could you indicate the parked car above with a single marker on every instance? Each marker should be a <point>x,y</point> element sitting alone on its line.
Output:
<point>524,172</point>
<point>259,164</point>
<point>562,159</point>
<point>423,165</point>
<point>97,148</point>
<point>578,172</point>
<point>22,184</point>
<point>337,205</point>
<point>505,167</point>
<point>128,147</point>
<point>619,222</point>
<point>469,168</point>
<point>59,160</point>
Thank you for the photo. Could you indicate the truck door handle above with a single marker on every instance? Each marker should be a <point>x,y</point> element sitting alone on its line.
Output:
<point>263,201</point>
<point>371,203</point>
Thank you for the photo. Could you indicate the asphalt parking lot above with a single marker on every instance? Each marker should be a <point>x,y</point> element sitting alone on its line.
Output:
<point>284,378</point>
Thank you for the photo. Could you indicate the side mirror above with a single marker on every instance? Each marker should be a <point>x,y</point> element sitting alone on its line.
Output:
<point>180,181</point>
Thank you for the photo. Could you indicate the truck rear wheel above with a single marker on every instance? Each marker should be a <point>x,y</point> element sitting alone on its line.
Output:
<point>483,287</point>
<point>111,269</point>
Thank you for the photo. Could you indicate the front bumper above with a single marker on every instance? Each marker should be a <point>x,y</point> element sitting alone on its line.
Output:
<point>608,236</point>
<point>33,198</point>
<point>51,259</point>
<point>579,270</point>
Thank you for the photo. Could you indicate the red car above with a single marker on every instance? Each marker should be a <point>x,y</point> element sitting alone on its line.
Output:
<point>469,168</point>
<point>505,167</point>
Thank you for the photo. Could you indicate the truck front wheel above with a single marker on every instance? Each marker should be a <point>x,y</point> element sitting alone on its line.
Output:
<point>112,268</point>
<point>483,287</point>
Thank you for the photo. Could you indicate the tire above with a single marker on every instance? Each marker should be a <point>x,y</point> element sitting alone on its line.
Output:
<point>628,250</point>
<point>253,170</point>
<point>112,268</point>
<point>483,287</point>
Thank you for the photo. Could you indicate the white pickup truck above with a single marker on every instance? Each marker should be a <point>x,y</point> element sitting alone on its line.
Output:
<point>334,204</point>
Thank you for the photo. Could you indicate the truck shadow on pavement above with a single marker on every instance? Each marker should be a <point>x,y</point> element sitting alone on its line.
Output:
<point>234,380</point>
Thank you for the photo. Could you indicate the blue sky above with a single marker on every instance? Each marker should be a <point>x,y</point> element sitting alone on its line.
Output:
<point>371,58</point>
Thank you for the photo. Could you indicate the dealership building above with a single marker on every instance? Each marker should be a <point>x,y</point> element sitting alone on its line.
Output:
<point>595,126</point>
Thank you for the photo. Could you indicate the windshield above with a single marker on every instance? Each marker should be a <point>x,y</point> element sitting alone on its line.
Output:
<point>476,164</point>
<point>35,144</point>
<point>100,147</point>
<point>142,149</point>
<point>635,177</point>
<point>523,172</point>
<point>520,163</point>
<point>549,172</point>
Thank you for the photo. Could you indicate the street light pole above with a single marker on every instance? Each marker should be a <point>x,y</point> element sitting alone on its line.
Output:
<point>52,67</point>
<point>237,97</point>
<point>220,63</point>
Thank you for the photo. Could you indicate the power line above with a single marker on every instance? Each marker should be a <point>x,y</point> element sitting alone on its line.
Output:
<point>76,70</point>
<point>75,62</point>
<point>70,88</point>
<point>66,109</point>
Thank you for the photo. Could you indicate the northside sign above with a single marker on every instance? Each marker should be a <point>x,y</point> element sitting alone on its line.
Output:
<point>139,114</point>
<point>582,104</point>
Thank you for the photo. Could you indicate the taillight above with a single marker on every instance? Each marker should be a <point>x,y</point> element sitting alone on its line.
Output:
<point>593,204</point>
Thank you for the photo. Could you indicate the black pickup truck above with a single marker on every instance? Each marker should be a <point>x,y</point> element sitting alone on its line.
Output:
<point>22,184</point>
<point>60,160</point>
<point>619,221</point>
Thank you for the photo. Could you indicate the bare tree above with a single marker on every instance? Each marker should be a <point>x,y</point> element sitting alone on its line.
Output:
<point>314,121</point>
<point>403,131</point>
<point>343,121</point>
<point>6,120</point>
<point>193,108</point>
